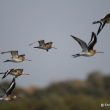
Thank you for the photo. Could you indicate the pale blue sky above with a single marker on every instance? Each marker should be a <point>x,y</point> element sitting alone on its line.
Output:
<point>25,21</point>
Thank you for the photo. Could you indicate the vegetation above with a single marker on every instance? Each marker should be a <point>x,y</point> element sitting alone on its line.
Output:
<point>68,95</point>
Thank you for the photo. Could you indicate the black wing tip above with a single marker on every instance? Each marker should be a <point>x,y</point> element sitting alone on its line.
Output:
<point>93,33</point>
<point>72,36</point>
<point>98,32</point>
<point>3,77</point>
<point>36,47</point>
<point>2,52</point>
<point>76,55</point>
<point>13,80</point>
<point>6,61</point>
<point>5,52</point>
<point>2,73</point>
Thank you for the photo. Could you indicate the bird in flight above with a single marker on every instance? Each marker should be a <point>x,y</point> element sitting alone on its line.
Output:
<point>102,22</point>
<point>14,72</point>
<point>43,45</point>
<point>15,57</point>
<point>87,49</point>
<point>8,92</point>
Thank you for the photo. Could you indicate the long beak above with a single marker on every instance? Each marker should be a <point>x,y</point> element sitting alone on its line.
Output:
<point>28,60</point>
<point>25,74</point>
<point>54,47</point>
<point>99,52</point>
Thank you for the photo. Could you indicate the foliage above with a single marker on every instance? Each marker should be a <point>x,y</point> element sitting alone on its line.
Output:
<point>68,95</point>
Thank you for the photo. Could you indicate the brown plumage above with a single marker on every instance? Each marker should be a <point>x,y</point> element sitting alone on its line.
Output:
<point>8,93</point>
<point>43,45</point>
<point>14,72</point>
<point>15,57</point>
<point>87,49</point>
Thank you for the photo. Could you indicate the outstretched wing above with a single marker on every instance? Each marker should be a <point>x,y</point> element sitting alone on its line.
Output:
<point>7,73</point>
<point>102,24</point>
<point>106,17</point>
<point>13,52</point>
<point>81,43</point>
<point>11,87</point>
<point>41,42</point>
<point>103,21</point>
<point>92,42</point>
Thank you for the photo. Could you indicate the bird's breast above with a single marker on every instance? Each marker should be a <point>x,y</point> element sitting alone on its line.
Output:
<point>90,53</point>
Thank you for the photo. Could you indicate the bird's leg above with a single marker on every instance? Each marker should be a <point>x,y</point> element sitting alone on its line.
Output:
<point>7,61</point>
<point>95,22</point>
<point>76,55</point>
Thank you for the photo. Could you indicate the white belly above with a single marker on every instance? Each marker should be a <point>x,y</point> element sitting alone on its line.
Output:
<point>17,60</point>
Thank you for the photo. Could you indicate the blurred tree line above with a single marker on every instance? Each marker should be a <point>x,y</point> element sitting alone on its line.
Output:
<point>85,94</point>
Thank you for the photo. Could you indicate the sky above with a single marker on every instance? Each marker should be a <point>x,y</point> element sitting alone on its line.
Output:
<point>25,21</point>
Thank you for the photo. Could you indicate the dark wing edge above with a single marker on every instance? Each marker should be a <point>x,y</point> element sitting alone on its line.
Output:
<point>93,41</point>
<point>82,43</point>
<point>11,87</point>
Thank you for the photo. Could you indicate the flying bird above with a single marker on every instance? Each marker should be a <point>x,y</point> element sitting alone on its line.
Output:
<point>15,57</point>
<point>14,72</point>
<point>43,45</point>
<point>8,93</point>
<point>102,22</point>
<point>87,49</point>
